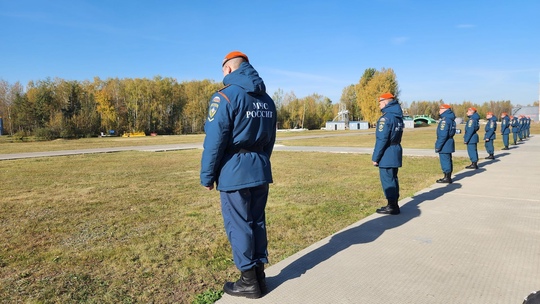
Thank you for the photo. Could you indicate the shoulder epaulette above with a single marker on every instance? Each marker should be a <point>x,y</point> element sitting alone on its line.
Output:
<point>224,88</point>
<point>223,94</point>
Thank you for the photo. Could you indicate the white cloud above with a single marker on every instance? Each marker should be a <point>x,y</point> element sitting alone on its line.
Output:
<point>399,40</point>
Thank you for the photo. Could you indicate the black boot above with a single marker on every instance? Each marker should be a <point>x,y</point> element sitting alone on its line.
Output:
<point>392,208</point>
<point>505,148</point>
<point>261,278</point>
<point>490,157</point>
<point>447,179</point>
<point>473,165</point>
<point>247,286</point>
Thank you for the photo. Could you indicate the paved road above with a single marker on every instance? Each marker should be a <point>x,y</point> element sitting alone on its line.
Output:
<point>156,148</point>
<point>172,147</point>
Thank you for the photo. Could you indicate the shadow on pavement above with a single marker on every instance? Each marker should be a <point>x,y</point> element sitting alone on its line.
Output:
<point>364,233</point>
<point>491,161</point>
<point>468,173</point>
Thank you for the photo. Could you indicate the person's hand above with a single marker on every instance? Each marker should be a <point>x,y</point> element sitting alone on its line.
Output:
<point>376,164</point>
<point>211,187</point>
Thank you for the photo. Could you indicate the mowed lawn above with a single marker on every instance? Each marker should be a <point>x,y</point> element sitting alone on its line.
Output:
<point>133,227</point>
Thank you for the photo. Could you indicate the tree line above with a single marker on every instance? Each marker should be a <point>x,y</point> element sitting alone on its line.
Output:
<point>58,108</point>
<point>68,109</point>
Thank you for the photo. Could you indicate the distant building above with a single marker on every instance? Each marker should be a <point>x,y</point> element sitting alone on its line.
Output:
<point>527,111</point>
<point>351,125</point>
<point>336,125</point>
<point>358,125</point>
<point>408,121</point>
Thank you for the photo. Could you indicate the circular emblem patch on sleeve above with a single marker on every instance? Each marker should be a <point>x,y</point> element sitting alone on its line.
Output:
<point>213,108</point>
<point>443,125</point>
<point>381,124</point>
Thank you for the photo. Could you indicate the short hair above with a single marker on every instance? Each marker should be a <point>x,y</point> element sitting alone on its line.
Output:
<point>235,63</point>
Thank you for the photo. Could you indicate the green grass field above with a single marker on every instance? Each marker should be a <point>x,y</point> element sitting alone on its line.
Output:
<point>133,227</point>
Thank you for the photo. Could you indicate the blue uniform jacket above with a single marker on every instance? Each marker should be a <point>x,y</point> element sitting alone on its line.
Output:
<point>471,137</point>
<point>240,133</point>
<point>388,152</point>
<point>491,127</point>
<point>505,125</point>
<point>445,133</point>
<point>522,124</point>
<point>515,125</point>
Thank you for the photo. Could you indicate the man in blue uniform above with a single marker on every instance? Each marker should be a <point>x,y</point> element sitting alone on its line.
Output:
<point>521,127</point>
<point>240,135</point>
<point>490,135</point>
<point>528,126</point>
<point>471,137</point>
<point>387,154</point>
<point>514,122</point>
<point>445,146</point>
<point>505,129</point>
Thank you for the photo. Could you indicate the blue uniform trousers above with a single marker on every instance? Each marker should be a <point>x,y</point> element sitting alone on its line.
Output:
<point>505,139</point>
<point>515,137</point>
<point>245,224</point>
<point>473,152</point>
<point>390,182</point>
<point>490,149</point>
<point>446,162</point>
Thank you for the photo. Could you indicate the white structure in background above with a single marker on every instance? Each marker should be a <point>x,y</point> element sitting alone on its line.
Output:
<point>358,125</point>
<point>408,122</point>
<point>341,121</point>
<point>531,111</point>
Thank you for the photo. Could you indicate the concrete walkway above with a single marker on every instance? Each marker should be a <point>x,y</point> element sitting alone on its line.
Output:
<point>475,241</point>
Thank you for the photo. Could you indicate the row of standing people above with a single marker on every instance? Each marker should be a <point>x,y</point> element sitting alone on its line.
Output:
<point>521,128</point>
<point>387,154</point>
<point>240,135</point>
<point>446,129</point>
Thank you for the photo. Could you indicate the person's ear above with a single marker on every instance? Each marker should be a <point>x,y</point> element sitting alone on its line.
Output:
<point>226,69</point>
